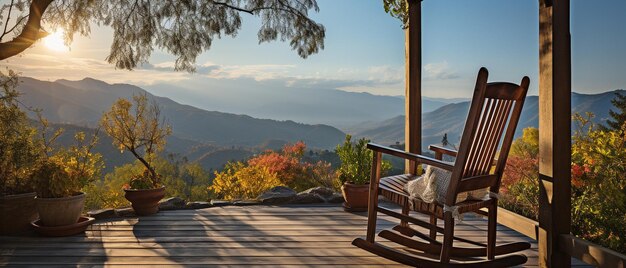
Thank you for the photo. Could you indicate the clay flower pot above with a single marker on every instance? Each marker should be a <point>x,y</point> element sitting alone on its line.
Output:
<point>356,196</point>
<point>60,211</point>
<point>145,202</point>
<point>65,230</point>
<point>16,213</point>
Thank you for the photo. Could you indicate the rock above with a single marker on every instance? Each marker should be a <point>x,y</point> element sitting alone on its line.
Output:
<point>322,191</point>
<point>99,214</point>
<point>220,203</point>
<point>125,212</point>
<point>197,205</point>
<point>307,198</point>
<point>335,198</point>
<point>327,194</point>
<point>246,203</point>
<point>277,195</point>
<point>172,203</point>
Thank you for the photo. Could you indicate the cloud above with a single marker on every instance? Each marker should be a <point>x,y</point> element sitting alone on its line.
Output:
<point>439,71</point>
<point>51,67</point>
<point>387,80</point>
<point>387,74</point>
<point>169,66</point>
<point>258,72</point>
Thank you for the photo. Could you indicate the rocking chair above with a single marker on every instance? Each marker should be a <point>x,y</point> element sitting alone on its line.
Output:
<point>492,119</point>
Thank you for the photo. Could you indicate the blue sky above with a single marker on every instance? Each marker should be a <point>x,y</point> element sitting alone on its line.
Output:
<point>365,52</point>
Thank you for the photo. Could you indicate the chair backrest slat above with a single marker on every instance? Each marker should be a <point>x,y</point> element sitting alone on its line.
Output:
<point>491,122</point>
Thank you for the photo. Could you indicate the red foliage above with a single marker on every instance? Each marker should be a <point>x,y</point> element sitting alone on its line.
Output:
<point>519,169</point>
<point>287,166</point>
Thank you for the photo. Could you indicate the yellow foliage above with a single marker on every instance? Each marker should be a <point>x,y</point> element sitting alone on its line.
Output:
<point>138,128</point>
<point>241,181</point>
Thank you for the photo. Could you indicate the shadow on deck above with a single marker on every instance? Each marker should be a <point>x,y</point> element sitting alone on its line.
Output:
<point>253,235</point>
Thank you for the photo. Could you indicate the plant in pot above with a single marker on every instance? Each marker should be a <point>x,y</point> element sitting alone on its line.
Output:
<point>60,177</point>
<point>18,154</point>
<point>136,127</point>
<point>354,172</point>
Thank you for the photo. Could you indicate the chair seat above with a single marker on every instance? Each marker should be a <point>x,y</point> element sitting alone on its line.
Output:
<point>392,188</point>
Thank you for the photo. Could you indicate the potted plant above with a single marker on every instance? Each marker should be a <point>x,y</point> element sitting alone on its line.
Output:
<point>61,177</point>
<point>137,128</point>
<point>18,153</point>
<point>354,172</point>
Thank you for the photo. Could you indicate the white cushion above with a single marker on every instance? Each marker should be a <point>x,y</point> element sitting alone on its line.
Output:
<point>433,185</point>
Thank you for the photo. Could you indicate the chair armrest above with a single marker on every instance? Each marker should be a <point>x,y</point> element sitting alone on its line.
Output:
<point>410,156</point>
<point>439,151</point>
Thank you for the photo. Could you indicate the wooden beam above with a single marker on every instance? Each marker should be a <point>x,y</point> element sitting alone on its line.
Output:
<point>413,90</point>
<point>591,253</point>
<point>516,222</point>
<point>554,131</point>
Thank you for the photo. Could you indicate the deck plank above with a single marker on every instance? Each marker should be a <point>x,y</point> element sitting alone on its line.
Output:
<point>293,236</point>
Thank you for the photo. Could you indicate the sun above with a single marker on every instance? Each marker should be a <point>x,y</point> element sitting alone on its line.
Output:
<point>54,41</point>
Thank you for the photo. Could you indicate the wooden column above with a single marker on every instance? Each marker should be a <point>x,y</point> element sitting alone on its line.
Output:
<point>554,130</point>
<point>413,90</point>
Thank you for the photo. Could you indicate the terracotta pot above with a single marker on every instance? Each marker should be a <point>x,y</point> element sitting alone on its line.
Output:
<point>60,211</point>
<point>65,230</point>
<point>356,196</point>
<point>16,213</point>
<point>145,202</point>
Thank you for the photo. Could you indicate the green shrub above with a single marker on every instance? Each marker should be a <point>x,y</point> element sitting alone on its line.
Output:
<point>356,162</point>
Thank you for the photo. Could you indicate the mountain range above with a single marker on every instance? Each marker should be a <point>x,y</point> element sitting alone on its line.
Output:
<point>450,119</point>
<point>301,104</point>
<point>82,103</point>
<point>212,138</point>
<point>208,137</point>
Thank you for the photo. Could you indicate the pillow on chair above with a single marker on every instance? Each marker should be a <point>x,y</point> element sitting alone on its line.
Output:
<point>433,185</point>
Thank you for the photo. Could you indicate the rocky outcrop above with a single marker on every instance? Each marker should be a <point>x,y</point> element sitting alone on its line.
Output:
<point>221,203</point>
<point>317,195</point>
<point>306,198</point>
<point>277,195</point>
<point>198,205</point>
<point>125,212</point>
<point>172,203</point>
<point>102,213</point>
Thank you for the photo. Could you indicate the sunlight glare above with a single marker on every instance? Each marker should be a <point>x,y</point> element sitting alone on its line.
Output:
<point>54,41</point>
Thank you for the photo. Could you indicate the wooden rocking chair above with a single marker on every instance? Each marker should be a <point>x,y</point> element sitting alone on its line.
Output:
<point>493,115</point>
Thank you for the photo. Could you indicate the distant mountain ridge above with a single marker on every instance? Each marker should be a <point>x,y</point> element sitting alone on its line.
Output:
<point>83,102</point>
<point>334,107</point>
<point>451,118</point>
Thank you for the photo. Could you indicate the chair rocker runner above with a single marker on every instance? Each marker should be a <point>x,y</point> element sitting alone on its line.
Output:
<point>493,116</point>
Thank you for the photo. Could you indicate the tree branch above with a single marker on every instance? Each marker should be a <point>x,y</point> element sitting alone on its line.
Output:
<point>31,32</point>
<point>17,23</point>
<point>234,7</point>
<point>6,23</point>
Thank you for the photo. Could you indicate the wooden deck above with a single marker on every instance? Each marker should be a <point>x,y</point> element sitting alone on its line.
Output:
<point>224,236</point>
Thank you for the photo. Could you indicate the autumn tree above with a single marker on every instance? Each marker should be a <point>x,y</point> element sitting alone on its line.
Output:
<point>18,149</point>
<point>520,190</point>
<point>598,184</point>
<point>183,28</point>
<point>137,127</point>
<point>618,116</point>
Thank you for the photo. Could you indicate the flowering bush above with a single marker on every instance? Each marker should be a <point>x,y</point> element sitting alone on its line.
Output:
<point>520,190</point>
<point>598,181</point>
<point>69,170</point>
<point>270,169</point>
<point>18,150</point>
<point>241,181</point>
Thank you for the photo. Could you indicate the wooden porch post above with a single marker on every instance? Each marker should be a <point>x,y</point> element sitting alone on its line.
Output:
<point>413,90</point>
<point>554,131</point>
